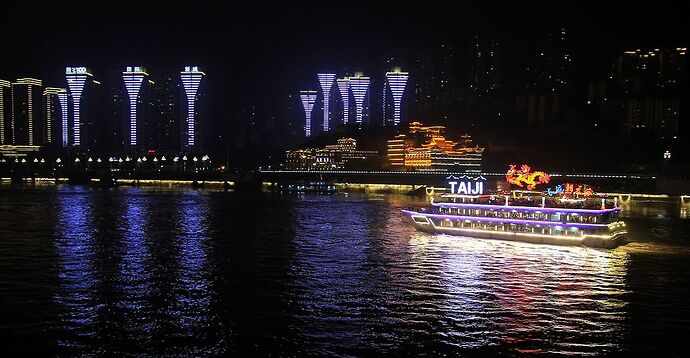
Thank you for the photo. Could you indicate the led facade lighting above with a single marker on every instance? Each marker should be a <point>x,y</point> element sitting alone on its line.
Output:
<point>133,78</point>
<point>360,87</point>
<point>26,114</point>
<point>191,80</point>
<point>326,81</point>
<point>397,81</point>
<point>308,99</point>
<point>76,81</point>
<point>64,118</point>
<point>50,94</point>
<point>344,89</point>
<point>3,85</point>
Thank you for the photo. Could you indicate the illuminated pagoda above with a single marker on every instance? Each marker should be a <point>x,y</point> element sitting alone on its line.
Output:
<point>191,81</point>
<point>308,99</point>
<point>426,148</point>
<point>326,81</point>
<point>360,87</point>
<point>397,81</point>
<point>344,89</point>
<point>133,78</point>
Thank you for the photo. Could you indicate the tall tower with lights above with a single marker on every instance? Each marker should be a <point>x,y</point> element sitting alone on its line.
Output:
<point>54,111</point>
<point>344,89</point>
<point>133,77</point>
<point>77,81</point>
<point>191,81</point>
<point>27,120</point>
<point>360,87</point>
<point>326,81</point>
<point>397,81</point>
<point>308,99</point>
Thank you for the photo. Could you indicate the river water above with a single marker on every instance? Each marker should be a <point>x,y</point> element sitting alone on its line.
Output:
<point>133,271</point>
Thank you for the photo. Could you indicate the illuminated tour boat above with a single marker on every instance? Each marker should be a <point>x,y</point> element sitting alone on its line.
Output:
<point>568,214</point>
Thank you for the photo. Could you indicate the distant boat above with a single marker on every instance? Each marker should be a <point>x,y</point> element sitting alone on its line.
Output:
<point>318,187</point>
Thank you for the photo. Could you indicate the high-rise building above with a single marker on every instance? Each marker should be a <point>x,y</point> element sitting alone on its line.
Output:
<point>397,81</point>
<point>63,99</point>
<point>54,111</point>
<point>360,88</point>
<point>191,81</point>
<point>326,81</point>
<point>484,66</point>
<point>167,100</point>
<point>308,99</point>
<point>134,77</point>
<point>344,89</point>
<point>78,80</point>
<point>5,106</point>
<point>27,119</point>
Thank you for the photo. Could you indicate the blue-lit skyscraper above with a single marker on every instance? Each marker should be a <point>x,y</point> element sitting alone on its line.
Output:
<point>77,78</point>
<point>360,87</point>
<point>64,118</point>
<point>397,81</point>
<point>134,76</point>
<point>326,81</point>
<point>191,80</point>
<point>344,89</point>
<point>308,99</point>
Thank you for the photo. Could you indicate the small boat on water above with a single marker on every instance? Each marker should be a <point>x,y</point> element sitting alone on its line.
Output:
<point>318,187</point>
<point>557,217</point>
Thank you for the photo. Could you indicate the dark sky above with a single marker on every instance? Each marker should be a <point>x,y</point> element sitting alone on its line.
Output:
<point>258,48</point>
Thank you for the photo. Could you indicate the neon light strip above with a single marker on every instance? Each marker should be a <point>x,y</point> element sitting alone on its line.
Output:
<point>527,208</point>
<point>326,81</point>
<point>513,221</point>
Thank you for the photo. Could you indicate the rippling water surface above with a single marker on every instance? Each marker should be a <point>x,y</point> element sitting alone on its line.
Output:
<point>184,272</point>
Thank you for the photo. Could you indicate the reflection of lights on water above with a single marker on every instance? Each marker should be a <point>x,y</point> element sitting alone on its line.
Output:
<point>684,212</point>
<point>529,287</point>
<point>74,247</point>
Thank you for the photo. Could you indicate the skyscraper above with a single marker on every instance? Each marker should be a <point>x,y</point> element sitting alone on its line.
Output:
<point>77,79</point>
<point>191,80</point>
<point>360,87</point>
<point>397,81</point>
<point>133,78</point>
<point>64,118</point>
<point>344,89</point>
<point>27,121</point>
<point>308,99</point>
<point>5,105</point>
<point>54,111</point>
<point>326,82</point>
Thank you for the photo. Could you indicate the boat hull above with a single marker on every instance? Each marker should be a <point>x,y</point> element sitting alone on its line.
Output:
<point>424,223</point>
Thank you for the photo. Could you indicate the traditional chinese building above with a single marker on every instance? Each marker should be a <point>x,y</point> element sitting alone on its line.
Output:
<point>343,155</point>
<point>426,148</point>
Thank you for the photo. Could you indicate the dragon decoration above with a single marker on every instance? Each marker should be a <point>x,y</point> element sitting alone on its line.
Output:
<point>525,177</point>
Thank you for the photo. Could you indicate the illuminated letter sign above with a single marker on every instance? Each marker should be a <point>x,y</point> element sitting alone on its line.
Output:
<point>470,186</point>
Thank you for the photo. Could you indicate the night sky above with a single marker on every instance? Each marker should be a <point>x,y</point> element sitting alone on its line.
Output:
<point>257,54</point>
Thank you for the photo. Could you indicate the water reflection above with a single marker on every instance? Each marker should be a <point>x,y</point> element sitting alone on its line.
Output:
<point>515,294</point>
<point>74,245</point>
